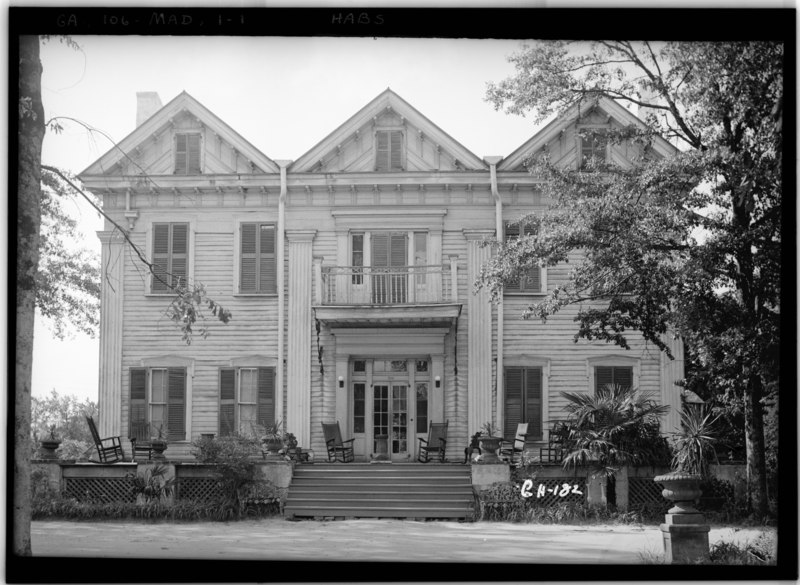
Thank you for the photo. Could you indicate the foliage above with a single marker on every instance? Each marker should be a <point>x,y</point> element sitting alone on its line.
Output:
<point>488,429</point>
<point>188,309</point>
<point>151,485</point>
<point>272,431</point>
<point>693,446</point>
<point>68,279</point>
<point>688,244</point>
<point>615,426</point>
<point>72,449</point>
<point>67,414</point>
<point>762,551</point>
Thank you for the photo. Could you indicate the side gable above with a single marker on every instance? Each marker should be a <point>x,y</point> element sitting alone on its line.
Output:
<point>378,130</point>
<point>560,140</point>
<point>183,137</point>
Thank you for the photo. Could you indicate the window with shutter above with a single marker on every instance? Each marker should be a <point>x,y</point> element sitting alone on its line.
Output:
<point>187,154</point>
<point>593,148</point>
<point>523,401</point>
<point>389,150</point>
<point>246,399</point>
<point>170,256</point>
<point>158,401</point>
<point>257,262</point>
<point>607,375</point>
<point>389,259</point>
<point>530,281</point>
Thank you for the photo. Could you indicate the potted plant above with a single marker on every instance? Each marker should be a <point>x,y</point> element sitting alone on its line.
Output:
<point>272,439</point>
<point>49,445</point>
<point>490,440</point>
<point>289,441</point>
<point>159,443</point>
<point>693,452</point>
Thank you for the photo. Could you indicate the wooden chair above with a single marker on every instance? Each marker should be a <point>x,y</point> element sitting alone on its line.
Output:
<point>557,439</point>
<point>140,440</point>
<point>338,450</point>
<point>512,447</point>
<point>435,444</point>
<point>109,450</point>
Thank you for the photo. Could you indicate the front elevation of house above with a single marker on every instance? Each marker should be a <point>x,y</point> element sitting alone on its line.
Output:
<point>349,275</point>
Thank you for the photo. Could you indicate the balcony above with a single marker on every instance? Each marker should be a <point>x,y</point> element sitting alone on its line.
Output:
<point>387,296</point>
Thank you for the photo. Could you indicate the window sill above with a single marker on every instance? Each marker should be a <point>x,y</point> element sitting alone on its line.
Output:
<point>246,295</point>
<point>524,294</point>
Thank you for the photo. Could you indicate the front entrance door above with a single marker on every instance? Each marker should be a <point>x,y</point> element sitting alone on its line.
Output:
<point>390,416</point>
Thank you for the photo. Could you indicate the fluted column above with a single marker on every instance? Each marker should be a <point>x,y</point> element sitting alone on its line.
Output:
<point>479,335</point>
<point>671,372</point>
<point>111,296</point>
<point>298,383</point>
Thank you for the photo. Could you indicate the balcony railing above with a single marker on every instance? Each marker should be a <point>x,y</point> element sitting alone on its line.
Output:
<point>395,285</point>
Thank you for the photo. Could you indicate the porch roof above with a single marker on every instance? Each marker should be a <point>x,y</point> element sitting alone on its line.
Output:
<point>421,315</point>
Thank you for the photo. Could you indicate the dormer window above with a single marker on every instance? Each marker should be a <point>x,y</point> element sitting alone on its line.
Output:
<point>593,145</point>
<point>389,150</point>
<point>187,154</point>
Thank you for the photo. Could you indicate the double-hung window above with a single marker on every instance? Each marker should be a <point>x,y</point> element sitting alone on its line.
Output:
<point>158,403</point>
<point>523,400</point>
<point>529,280</point>
<point>593,145</point>
<point>170,256</point>
<point>257,268</point>
<point>246,399</point>
<point>389,150</point>
<point>187,154</point>
<point>612,375</point>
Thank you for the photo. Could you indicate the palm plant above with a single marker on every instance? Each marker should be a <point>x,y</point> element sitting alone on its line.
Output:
<point>693,446</point>
<point>614,427</point>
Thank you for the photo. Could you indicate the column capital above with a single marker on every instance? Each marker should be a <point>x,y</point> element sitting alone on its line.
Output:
<point>301,235</point>
<point>473,235</point>
<point>110,237</point>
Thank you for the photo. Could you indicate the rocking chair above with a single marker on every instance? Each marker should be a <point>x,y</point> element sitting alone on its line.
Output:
<point>109,450</point>
<point>513,447</point>
<point>140,439</point>
<point>436,443</point>
<point>338,450</point>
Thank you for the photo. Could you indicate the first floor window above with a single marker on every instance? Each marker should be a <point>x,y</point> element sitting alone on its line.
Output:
<point>523,401</point>
<point>612,375</point>
<point>158,403</point>
<point>246,399</point>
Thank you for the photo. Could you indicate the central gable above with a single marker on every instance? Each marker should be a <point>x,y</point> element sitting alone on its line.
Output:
<point>388,135</point>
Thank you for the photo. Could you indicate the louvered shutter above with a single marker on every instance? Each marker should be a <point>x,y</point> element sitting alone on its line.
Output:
<point>268,276</point>
<point>396,151</point>
<point>180,253</point>
<point>160,257</point>
<point>623,376</point>
<point>138,404</point>
<point>513,380</point>
<point>193,154</point>
<point>180,154</point>
<point>380,249</point>
<point>227,401</point>
<point>247,271</point>
<point>533,401</point>
<point>398,244</point>
<point>382,151</point>
<point>176,404</point>
<point>380,260</point>
<point>266,396</point>
<point>603,376</point>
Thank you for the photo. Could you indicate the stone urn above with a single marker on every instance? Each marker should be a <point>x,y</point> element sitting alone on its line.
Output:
<point>489,447</point>
<point>47,448</point>
<point>158,446</point>
<point>682,489</point>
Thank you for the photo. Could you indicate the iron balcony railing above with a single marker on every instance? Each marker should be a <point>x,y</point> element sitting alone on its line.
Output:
<point>394,285</point>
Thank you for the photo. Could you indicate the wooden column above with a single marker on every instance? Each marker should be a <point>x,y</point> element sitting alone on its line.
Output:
<point>298,383</point>
<point>671,372</point>
<point>111,296</point>
<point>479,335</point>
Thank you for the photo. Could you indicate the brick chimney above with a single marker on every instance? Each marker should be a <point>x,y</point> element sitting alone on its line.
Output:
<point>147,104</point>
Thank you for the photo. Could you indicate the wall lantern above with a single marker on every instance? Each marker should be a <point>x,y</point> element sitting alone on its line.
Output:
<point>341,382</point>
<point>438,381</point>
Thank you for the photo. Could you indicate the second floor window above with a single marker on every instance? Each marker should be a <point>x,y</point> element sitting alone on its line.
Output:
<point>258,269</point>
<point>530,280</point>
<point>170,256</point>
<point>389,150</point>
<point>187,154</point>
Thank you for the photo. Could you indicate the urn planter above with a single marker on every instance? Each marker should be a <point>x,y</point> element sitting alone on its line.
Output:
<point>48,448</point>
<point>489,448</point>
<point>158,446</point>
<point>681,488</point>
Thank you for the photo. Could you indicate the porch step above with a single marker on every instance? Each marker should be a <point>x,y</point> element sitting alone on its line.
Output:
<point>363,490</point>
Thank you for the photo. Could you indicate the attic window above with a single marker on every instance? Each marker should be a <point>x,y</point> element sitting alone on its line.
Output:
<point>187,154</point>
<point>389,150</point>
<point>593,147</point>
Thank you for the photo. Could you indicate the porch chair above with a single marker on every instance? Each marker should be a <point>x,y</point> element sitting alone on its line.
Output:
<point>435,444</point>
<point>109,450</point>
<point>338,450</point>
<point>140,440</point>
<point>512,447</point>
<point>557,438</point>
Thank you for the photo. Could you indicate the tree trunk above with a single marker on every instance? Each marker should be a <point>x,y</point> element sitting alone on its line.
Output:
<point>31,134</point>
<point>754,441</point>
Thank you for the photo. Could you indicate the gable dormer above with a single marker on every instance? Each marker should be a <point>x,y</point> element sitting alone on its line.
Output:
<point>579,134</point>
<point>388,135</point>
<point>183,138</point>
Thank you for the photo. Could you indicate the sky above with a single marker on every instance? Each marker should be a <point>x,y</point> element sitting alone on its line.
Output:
<point>283,95</point>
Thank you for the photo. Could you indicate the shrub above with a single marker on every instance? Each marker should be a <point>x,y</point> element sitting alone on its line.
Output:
<point>759,552</point>
<point>151,484</point>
